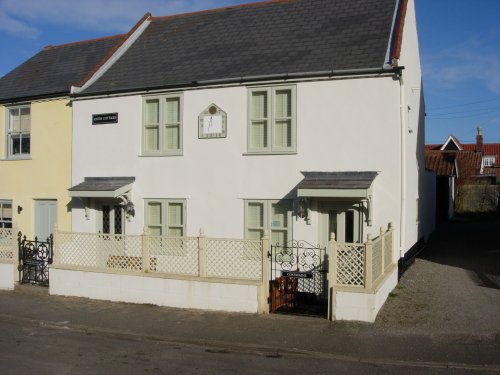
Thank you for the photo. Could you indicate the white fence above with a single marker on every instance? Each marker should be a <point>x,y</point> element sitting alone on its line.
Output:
<point>362,264</point>
<point>8,244</point>
<point>187,256</point>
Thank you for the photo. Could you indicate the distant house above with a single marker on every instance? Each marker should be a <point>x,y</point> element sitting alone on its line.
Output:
<point>457,164</point>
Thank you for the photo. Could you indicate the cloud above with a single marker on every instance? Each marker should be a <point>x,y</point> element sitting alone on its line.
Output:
<point>471,61</point>
<point>108,16</point>
<point>17,28</point>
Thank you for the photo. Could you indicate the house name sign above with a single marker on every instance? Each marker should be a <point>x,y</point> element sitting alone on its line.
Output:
<point>104,118</point>
<point>297,275</point>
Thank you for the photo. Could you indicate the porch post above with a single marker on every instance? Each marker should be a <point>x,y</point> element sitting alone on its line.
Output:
<point>331,276</point>
<point>368,262</point>
<point>202,254</point>
<point>264,288</point>
<point>146,263</point>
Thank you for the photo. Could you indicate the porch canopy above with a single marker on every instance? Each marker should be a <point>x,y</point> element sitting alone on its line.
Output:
<point>102,187</point>
<point>355,185</point>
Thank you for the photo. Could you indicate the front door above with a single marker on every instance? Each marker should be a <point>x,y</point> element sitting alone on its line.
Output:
<point>45,218</point>
<point>111,218</point>
<point>343,219</point>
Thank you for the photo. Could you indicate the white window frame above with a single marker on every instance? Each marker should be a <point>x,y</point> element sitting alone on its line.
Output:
<point>165,225</point>
<point>10,133</point>
<point>268,224</point>
<point>271,119</point>
<point>2,220</point>
<point>162,149</point>
<point>488,161</point>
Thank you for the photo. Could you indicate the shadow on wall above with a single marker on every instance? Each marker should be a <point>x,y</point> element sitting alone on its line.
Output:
<point>470,243</point>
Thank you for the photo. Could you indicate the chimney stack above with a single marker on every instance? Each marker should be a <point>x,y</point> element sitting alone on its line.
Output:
<point>479,140</point>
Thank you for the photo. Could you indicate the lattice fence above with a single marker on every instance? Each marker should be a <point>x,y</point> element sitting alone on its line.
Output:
<point>388,248</point>
<point>178,255</point>
<point>225,258</point>
<point>8,244</point>
<point>357,266</point>
<point>377,266</point>
<point>350,264</point>
<point>239,259</point>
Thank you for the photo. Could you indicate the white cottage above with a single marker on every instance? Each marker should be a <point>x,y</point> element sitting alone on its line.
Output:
<point>299,118</point>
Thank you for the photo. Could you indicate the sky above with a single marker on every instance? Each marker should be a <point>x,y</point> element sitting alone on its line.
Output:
<point>459,49</point>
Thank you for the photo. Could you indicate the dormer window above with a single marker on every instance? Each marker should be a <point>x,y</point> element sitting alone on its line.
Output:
<point>488,161</point>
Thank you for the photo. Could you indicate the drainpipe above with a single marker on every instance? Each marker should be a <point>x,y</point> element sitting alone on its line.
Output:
<point>402,219</point>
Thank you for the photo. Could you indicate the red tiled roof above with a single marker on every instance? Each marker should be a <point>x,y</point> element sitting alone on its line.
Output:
<point>443,163</point>
<point>492,149</point>
<point>468,164</point>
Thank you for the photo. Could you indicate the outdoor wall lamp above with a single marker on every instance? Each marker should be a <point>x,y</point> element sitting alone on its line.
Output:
<point>129,209</point>
<point>19,209</point>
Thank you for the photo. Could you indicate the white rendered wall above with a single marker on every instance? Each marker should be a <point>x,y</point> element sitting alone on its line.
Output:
<point>414,111</point>
<point>364,306</point>
<point>7,276</point>
<point>155,290</point>
<point>342,125</point>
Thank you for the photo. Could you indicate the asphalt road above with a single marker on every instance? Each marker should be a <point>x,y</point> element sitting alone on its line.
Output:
<point>32,348</point>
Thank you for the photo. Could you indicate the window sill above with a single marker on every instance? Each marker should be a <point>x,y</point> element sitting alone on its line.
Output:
<point>160,155</point>
<point>17,159</point>
<point>257,153</point>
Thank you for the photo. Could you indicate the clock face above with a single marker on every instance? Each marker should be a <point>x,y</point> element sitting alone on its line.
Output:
<point>212,123</point>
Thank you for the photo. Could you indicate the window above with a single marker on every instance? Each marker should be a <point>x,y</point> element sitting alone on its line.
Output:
<point>162,130</point>
<point>5,214</point>
<point>19,131</point>
<point>271,215</point>
<point>166,217</point>
<point>488,161</point>
<point>272,120</point>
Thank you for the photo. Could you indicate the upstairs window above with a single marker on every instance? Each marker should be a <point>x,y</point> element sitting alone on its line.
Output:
<point>162,129</point>
<point>19,131</point>
<point>5,214</point>
<point>272,120</point>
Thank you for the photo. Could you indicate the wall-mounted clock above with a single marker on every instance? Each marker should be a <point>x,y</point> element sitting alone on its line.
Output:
<point>212,123</point>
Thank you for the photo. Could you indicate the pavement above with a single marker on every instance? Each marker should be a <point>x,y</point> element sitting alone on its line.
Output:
<point>444,314</point>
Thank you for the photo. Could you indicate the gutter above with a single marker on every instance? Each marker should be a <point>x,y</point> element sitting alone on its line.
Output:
<point>249,79</point>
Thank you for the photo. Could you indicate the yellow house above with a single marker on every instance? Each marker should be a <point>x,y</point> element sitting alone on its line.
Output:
<point>36,129</point>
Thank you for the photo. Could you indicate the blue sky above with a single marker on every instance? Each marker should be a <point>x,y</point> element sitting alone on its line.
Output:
<point>459,48</point>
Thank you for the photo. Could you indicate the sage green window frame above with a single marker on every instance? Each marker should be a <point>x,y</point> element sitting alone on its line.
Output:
<point>269,220</point>
<point>270,119</point>
<point>18,134</point>
<point>6,214</point>
<point>163,123</point>
<point>165,225</point>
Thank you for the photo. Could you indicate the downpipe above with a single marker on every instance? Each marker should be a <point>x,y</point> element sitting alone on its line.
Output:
<point>402,219</point>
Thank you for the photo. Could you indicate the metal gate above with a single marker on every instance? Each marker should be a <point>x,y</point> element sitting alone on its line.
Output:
<point>34,259</point>
<point>298,282</point>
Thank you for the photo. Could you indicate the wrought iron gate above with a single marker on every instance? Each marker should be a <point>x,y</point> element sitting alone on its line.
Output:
<point>298,282</point>
<point>34,259</point>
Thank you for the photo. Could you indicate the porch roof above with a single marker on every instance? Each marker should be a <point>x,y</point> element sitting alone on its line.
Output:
<point>102,187</point>
<point>336,184</point>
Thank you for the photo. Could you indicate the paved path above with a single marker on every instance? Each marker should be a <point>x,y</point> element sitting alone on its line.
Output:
<point>443,315</point>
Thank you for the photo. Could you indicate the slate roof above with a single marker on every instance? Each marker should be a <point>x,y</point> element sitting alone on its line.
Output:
<point>261,39</point>
<point>337,180</point>
<point>102,183</point>
<point>55,69</point>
